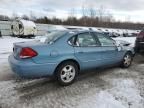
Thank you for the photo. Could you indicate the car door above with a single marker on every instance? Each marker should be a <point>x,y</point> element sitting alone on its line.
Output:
<point>87,50</point>
<point>109,51</point>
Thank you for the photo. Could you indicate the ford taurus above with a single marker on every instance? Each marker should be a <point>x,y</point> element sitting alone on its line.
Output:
<point>63,54</point>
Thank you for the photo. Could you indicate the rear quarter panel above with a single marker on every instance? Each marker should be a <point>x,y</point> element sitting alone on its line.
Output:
<point>54,53</point>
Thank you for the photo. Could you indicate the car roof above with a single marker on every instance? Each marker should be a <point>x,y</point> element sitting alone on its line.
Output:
<point>80,31</point>
<point>75,32</point>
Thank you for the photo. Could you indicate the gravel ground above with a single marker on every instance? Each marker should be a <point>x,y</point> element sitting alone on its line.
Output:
<point>104,88</point>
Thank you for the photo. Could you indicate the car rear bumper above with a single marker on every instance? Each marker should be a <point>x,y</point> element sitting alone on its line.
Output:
<point>29,69</point>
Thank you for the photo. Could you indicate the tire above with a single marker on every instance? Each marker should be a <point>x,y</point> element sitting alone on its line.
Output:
<point>66,73</point>
<point>127,60</point>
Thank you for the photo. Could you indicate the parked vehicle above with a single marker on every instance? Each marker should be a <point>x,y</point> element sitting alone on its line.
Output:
<point>130,34</point>
<point>64,54</point>
<point>130,40</point>
<point>139,44</point>
<point>23,28</point>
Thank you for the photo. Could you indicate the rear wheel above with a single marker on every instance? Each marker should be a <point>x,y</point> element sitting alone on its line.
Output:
<point>66,73</point>
<point>127,60</point>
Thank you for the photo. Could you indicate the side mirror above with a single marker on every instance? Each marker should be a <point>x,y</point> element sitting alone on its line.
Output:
<point>118,45</point>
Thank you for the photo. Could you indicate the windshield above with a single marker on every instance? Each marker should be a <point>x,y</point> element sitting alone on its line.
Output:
<point>51,37</point>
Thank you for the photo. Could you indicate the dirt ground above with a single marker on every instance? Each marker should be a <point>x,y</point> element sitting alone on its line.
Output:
<point>107,88</point>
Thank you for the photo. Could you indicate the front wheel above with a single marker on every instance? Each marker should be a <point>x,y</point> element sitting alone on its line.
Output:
<point>66,73</point>
<point>127,60</point>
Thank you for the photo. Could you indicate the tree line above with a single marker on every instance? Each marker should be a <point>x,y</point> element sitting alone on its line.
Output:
<point>89,18</point>
<point>91,22</point>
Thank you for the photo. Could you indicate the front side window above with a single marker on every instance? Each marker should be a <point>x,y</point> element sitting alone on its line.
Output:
<point>105,41</point>
<point>85,40</point>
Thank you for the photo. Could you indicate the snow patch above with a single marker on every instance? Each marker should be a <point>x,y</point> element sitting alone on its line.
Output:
<point>125,90</point>
<point>100,100</point>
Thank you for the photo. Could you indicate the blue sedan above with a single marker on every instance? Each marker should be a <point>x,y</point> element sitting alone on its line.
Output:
<point>64,54</point>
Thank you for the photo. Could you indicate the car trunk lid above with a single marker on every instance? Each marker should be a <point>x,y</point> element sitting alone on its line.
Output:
<point>17,47</point>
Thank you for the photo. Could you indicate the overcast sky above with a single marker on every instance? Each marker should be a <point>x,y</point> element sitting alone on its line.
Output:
<point>121,10</point>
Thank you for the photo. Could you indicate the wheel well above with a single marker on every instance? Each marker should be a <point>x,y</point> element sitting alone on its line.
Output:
<point>71,60</point>
<point>130,52</point>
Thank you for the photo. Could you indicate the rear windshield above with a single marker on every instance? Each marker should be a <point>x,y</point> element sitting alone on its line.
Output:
<point>52,36</point>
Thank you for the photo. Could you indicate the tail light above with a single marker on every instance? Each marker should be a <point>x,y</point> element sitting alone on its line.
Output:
<point>141,34</point>
<point>27,53</point>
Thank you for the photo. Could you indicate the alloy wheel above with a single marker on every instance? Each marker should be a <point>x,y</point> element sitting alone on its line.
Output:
<point>68,73</point>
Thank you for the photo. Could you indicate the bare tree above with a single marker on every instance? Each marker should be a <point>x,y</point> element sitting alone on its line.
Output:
<point>72,17</point>
<point>32,16</point>
<point>101,13</point>
<point>92,12</point>
<point>127,18</point>
<point>72,13</point>
<point>92,15</point>
<point>110,17</point>
<point>15,15</point>
<point>84,15</point>
<point>25,17</point>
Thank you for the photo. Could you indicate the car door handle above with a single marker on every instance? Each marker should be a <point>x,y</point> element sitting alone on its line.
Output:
<point>80,52</point>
